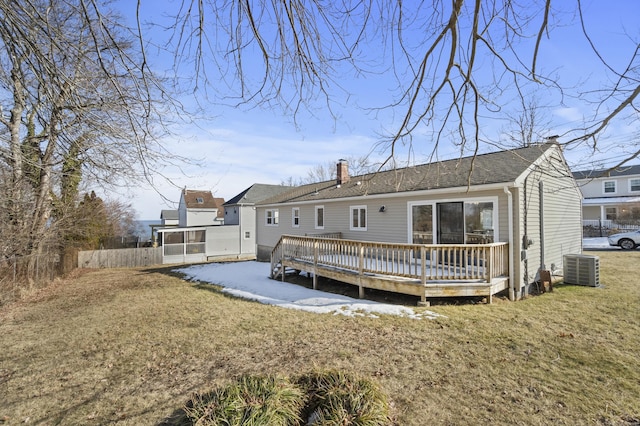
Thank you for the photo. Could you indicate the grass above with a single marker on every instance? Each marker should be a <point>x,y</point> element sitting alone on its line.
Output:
<point>132,346</point>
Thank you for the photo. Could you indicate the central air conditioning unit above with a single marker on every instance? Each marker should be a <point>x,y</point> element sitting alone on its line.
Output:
<point>582,269</point>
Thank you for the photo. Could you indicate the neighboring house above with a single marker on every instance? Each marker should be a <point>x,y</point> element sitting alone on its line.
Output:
<point>524,197</point>
<point>169,217</point>
<point>199,208</point>
<point>611,198</point>
<point>201,241</point>
<point>199,233</point>
<point>241,210</point>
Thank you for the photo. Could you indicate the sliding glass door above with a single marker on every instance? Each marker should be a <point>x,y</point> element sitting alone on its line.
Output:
<point>456,222</point>
<point>450,223</point>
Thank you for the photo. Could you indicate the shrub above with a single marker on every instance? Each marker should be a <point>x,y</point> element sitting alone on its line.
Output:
<point>336,398</point>
<point>250,401</point>
<point>330,398</point>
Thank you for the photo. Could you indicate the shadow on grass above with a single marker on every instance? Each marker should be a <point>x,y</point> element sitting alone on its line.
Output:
<point>177,418</point>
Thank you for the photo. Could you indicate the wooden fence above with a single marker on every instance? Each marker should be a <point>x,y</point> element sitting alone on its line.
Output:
<point>120,258</point>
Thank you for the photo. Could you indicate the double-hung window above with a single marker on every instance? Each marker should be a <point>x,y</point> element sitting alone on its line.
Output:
<point>634,185</point>
<point>319,217</point>
<point>272,217</point>
<point>295,217</point>
<point>358,218</point>
<point>609,187</point>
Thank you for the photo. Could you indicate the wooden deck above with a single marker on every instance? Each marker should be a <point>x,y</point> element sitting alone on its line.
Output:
<point>422,270</point>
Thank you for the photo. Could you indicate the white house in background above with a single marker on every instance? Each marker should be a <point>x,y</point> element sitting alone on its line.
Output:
<point>611,198</point>
<point>241,211</point>
<point>169,217</point>
<point>199,208</point>
<point>231,236</point>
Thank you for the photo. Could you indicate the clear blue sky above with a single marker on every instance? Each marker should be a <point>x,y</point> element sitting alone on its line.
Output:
<point>240,146</point>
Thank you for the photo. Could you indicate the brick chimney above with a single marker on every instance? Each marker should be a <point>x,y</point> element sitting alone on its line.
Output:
<point>343,172</point>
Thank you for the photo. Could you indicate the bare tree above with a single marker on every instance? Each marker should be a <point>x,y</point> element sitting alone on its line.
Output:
<point>328,171</point>
<point>79,99</point>
<point>80,103</point>
<point>459,64</point>
<point>528,124</point>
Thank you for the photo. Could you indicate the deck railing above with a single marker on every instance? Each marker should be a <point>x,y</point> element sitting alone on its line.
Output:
<point>425,262</point>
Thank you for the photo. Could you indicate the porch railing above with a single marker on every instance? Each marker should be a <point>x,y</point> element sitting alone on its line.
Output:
<point>424,262</point>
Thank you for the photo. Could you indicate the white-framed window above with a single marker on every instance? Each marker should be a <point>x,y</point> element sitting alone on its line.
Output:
<point>358,220</point>
<point>611,213</point>
<point>271,217</point>
<point>319,223</point>
<point>609,187</point>
<point>295,217</point>
<point>634,185</point>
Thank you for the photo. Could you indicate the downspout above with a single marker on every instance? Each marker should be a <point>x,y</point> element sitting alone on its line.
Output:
<point>512,294</point>
<point>541,217</point>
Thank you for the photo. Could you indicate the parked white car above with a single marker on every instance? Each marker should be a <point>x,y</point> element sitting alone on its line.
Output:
<point>625,240</point>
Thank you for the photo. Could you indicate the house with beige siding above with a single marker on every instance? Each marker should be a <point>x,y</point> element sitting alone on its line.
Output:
<point>523,201</point>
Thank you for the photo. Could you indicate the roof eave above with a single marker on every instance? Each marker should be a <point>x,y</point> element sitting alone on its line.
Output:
<point>457,190</point>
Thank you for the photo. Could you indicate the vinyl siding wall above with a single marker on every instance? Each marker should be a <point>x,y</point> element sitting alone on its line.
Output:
<point>232,215</point>
<point>594,188</point>
<point>202,218</point>
<point>392,225</point>
<point>562,220</point>
<point>247,221</point>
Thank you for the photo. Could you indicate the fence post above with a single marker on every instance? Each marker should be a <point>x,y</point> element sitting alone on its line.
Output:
<point>600,226</point>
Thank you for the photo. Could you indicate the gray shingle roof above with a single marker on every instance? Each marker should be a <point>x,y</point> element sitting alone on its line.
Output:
<point>483,169</point>
<point>256,193</point>
<point>620,171</point>
<point>169,214</point>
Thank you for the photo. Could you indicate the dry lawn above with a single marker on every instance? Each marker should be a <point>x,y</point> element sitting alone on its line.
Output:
<point>130,346</point>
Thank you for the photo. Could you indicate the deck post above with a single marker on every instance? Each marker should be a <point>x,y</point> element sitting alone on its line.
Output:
<point>283,254</point>
<point>491,264</point>
<point>315,264</point>
<point>360,270</point>
<point>423,274</point>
